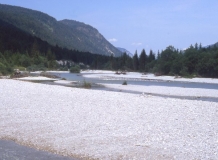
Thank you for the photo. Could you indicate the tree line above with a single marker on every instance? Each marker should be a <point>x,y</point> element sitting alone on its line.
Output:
<point>194,61</point>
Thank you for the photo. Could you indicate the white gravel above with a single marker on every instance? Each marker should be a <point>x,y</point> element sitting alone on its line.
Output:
<point>107,125</point>
<point>64,82</point>
<point>38,78</point>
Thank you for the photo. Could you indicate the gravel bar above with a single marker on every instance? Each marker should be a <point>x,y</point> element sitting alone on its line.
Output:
<point>92,124</point>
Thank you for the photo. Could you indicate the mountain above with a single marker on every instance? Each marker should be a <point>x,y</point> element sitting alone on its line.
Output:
<point>123,50</point>
<point>66,33</point>
<point>212,45</point>
<point>19,48</point>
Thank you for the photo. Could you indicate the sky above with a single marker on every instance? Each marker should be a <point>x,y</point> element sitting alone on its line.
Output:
<point>139,24</point>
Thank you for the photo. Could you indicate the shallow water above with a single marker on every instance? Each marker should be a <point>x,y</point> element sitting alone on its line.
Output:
<point>79,77</point>
<point>93,81</point>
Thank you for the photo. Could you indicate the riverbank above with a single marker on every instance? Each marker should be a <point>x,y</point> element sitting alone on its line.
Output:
<point>139,76</point>
<point>106,125</point>
<point>111,75</point>
<point>166,91</point>
<point>163,86</point>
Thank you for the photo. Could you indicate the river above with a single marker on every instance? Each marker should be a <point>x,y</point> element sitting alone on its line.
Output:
<point>79,77</point>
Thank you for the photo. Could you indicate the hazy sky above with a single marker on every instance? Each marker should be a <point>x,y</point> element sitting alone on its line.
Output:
<point>138,24</point>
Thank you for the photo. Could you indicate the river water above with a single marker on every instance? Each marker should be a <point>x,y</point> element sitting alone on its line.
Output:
<point>94,81</point>
<point>79,77</point>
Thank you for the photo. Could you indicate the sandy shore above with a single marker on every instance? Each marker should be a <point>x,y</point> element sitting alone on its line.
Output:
<point>107,125</point>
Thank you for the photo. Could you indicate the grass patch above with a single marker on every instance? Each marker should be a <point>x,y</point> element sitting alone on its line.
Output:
<point>86,85</point>
<point>48,75</point>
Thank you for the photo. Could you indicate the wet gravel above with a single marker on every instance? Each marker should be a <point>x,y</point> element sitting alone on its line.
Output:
<point>10,150</point>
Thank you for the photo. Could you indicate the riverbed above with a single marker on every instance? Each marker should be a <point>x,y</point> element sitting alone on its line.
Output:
<point>163,86</point>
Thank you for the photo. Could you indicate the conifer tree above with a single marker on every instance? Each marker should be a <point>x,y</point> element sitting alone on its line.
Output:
<point>200,46</point>
<point>49,55</point>
<point>35,49</point>
<point>158,54</point>
<point>196,46</point>
<point>135,61</point>
<point>151,56</point>
<point>142,60</point>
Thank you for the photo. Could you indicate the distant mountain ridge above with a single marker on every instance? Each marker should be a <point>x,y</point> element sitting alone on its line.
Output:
<point>123,50</point>
<point>66,33</point>
<point>212,45</point>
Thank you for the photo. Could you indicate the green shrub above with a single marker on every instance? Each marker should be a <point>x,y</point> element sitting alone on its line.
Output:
<point>63,68</point>
<point>124,83</point>
<point>75,69</point>
<point>5,69</point>
<point>39,67</point>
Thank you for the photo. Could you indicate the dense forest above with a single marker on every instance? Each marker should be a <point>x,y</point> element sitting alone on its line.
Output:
<point>194,61</point>
<point>19,49</point>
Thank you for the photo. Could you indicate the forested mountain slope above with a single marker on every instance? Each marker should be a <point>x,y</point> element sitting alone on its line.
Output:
<point>66,33</point>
